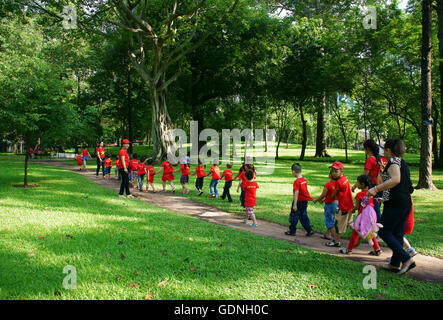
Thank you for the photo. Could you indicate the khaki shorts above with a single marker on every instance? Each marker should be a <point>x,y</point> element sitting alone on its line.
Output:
<point>342,221</point>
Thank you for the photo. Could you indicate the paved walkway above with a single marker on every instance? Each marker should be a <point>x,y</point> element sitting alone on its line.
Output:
<point>427,269</point>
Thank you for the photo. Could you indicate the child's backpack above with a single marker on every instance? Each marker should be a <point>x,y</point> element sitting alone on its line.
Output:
<point>366,222</point>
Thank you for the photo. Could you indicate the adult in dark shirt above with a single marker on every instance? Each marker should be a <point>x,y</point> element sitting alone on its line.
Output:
<point>397,189</point>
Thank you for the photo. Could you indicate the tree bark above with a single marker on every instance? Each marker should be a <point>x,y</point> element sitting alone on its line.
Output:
<point>425,173</point>
<point>320,144</point>
<point>129,108</point>
<point>304,133</point>
<point>440,50</point>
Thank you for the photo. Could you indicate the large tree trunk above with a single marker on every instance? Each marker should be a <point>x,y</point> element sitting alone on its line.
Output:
<point>304,133</point>
<point>320,144</point>
<point>162,127</point>
<point>425,173</point>
<point>440,49</point>
<point>129,108</point>
<point>435,136</point>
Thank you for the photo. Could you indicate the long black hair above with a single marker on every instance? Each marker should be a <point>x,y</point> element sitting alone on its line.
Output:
<point>375,149</point>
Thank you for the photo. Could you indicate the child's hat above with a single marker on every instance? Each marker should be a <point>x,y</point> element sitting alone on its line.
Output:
<point>337,165</point>
<point>125,141</point>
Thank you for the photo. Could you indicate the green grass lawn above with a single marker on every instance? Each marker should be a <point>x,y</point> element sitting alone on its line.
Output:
<point>128,249</point>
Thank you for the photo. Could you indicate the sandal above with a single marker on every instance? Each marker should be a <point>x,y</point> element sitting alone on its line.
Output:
<point>375,253</point>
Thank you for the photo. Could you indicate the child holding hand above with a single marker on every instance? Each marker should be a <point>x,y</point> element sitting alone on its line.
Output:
<point>330,209</point>
<point>250,187</point>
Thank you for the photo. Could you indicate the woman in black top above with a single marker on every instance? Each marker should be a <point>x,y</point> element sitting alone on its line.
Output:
<point>397,189</point>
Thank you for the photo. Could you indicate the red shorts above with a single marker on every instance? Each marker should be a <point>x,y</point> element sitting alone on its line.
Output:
<point>151,179</point>
<point>410,222</point>
<point>168,177</point>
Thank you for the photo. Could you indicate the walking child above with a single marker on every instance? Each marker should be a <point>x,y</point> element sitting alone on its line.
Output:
<point>363,183</point>
<point>167,176</point>
<point>200,172</point>
<point>300,203</point>
<point>345,202</point>
<point>108,166</point>
<point>79,162</point>
<point>85,155</point>
<point>133,164</point>
<point>250,187</point>
<point>150,175</point>
<point>184,179</point>
<point>213,186</point>
<point>331,207</point>
<point>227,175</point>
<point>141,172</point>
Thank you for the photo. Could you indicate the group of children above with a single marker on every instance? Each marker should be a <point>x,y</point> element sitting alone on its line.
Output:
<point>339,205</point>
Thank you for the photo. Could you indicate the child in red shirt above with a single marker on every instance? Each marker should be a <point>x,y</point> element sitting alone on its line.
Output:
<point>250,187</point>
<point>345,202</point>
<point>363,183</point>
<point>227,175</point>
<point>200,172</point>
<point>331,207</point>
<point>108,166</point>
<point>299,204</point>
<point>213,186</point>
<point>168,175</point>
<point>184,179</point>
<point>85,155</point>
<point>141,172</point>
<point>150,175</point>
<point>117,165</point>
<point>133,169</point>
<point>79,162</point>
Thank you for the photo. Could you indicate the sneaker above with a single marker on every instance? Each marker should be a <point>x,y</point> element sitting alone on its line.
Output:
<point>245,221</point>
<point>254,225</point>
<point>332,244</point>
<point>310,233</point>
<point>211,196</point>
<point>390,267</point>
<point>406,266</point>
<point>376,253</point>
<point>344,251</point>
<point>289,233</point>
<point>412,252</point>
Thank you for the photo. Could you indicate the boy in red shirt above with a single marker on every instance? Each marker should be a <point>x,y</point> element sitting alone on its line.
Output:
<point>227,175</point>
<point>363,183</point>
<point>345,202</point>
<point>200,172</point>
<point>331,207</point>
<point>79,162</point>
<point>108,166</point>
<point>141,172</point>
<point>299,204</point>
<point>213,186</point>
<point>168,175</point>
<point>184,179</point>
<point>133,166</point>
<point>250,187</point>
<point>150,178</point>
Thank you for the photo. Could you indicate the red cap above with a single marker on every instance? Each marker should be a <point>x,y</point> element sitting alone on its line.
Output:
<point>337,165</point>
<point>125,141</point>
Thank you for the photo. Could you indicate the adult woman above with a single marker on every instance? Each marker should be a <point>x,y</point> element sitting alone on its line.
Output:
<point>374,164</point>
<point>100,159</point>
<point>123,165</point>
<point>397,189</point>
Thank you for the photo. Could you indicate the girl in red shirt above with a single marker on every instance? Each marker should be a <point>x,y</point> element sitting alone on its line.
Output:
<point>184,179</point>
<point>168,175</point>
<point>85,155</point>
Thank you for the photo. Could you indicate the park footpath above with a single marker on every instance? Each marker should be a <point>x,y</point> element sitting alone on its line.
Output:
<point>428,269</point>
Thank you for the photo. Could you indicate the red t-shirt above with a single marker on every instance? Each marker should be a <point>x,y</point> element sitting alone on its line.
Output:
<point>344,194</point>
<point>123,153</point>
<point>185,169</point>
<point>200,171</point>
<point>359,197</point>
<point>373,167</point>
<point>330,186</point>
<point>301,185</point>
<point>250,188</point>
<point>141,168</point>
<point>151,173</point>
<point>227,174</point>
<point>133,164</point>
<point>85,153</point>
<point>215,173</point>
<point>100,152</point>
<point>108,163</point>
<point>167,168</point>
<point>117,162</point>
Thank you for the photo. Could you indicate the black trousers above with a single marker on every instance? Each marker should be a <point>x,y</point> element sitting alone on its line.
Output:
<point>102,165</point>
<point>199,183</point>
<point>226,192</point>
<point>125,182</point>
